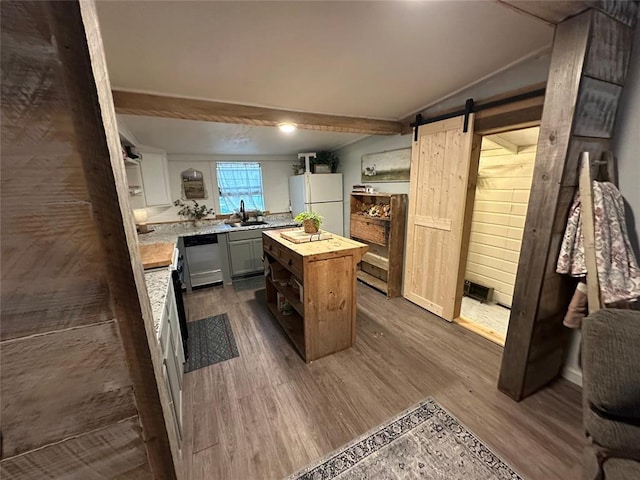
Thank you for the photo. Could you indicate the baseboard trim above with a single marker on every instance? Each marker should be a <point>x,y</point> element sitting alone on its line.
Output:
<point>574,375</point>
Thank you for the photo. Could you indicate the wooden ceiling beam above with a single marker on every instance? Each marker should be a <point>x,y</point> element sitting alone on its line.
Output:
<point>131,103</point>
<point>551,11</point>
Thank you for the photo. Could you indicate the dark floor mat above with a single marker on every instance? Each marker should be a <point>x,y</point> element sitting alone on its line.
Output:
<point>251,283</point>
<point>210,341</point>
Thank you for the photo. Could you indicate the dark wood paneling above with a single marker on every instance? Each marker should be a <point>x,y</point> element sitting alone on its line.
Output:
<point>610,49</point>
<point>521,118</point>
<point>113,452</point>
<point>595,147</point>
<point>595,112</point>
<point>85,77</point>
<point>552,11</point>
<point>46,222</point>
<point>57,245</point>
<point>57,269</point>
<point>567,58</point>
<point>543,370</point>
<point>62,384</point>
<point>625,11</point>
<point>549,335</point>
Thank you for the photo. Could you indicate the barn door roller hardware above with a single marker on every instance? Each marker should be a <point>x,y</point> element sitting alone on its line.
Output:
<point>469,108</point>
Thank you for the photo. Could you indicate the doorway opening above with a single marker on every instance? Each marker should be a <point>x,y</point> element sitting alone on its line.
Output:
<point>505,172</point>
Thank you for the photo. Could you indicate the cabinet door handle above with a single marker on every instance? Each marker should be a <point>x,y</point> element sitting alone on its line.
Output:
<point>289,262</point>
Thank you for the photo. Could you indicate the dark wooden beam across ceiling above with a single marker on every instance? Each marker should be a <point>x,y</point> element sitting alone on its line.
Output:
<point>209,111</point>
<point>552,11</point>
<point>556,11</point>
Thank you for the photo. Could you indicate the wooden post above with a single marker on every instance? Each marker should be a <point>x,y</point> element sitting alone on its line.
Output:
<point>588,65</point>
<point>79,393</point>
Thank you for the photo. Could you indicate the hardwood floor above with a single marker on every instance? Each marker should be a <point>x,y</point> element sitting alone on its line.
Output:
<point>266,414</point>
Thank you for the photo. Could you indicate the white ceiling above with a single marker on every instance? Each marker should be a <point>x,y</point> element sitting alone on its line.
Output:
<point>378,59</point>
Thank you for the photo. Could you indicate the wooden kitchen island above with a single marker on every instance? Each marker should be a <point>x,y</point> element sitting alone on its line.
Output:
<point>320,317</point>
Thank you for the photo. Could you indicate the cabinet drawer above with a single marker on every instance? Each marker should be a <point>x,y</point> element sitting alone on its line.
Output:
<point>291,260</point>
<point>369,229</point>
<point>271,247</point>
<point>244,235</point>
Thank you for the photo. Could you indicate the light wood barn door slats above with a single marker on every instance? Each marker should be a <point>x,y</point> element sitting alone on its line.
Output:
<point>444,166</point>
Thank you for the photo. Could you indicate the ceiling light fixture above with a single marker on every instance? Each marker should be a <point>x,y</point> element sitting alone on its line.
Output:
<point>287,127</point>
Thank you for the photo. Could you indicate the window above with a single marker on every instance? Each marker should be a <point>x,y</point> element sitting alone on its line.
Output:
<point>239,181</point>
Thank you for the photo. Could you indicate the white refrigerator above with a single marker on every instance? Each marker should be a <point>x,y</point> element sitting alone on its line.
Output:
<point>320,193</point>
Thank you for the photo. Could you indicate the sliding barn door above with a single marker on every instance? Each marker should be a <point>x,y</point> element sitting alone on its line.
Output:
<point>444,168</point>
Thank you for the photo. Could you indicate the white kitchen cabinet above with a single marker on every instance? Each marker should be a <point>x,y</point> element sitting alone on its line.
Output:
<point>134,182</point>
<point>173,357</point>
<point>155,179</point>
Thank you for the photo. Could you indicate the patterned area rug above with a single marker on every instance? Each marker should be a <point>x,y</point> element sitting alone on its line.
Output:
<point>251,283</point>
<point>210,341</point>
<point>422,442</point>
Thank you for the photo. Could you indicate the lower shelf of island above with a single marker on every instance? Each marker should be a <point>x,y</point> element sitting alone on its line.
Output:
<point>293,326</point>
<point>375,282</point>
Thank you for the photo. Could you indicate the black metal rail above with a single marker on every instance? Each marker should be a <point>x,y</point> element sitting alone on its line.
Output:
<point>470,107</point>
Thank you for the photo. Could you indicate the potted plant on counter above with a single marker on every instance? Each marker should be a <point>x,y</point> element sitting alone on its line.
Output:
<point>195,212</point>
<point>310,221</point>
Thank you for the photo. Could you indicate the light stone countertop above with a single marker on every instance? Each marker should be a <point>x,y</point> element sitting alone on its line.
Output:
<point>158,279</point>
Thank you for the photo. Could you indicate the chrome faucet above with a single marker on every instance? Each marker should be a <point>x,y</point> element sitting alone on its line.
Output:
<point>242,212</point>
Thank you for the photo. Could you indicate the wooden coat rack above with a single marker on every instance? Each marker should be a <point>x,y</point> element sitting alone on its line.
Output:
<point>602,170</point>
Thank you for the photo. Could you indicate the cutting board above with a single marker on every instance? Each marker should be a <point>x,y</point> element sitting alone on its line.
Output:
<point>299,236</point>
<point>156,255</point>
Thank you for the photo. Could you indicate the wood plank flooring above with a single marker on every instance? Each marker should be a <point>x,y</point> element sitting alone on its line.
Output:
<point>266,414</point>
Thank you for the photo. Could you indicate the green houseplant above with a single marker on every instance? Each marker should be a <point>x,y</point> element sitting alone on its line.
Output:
<point>195,212</point>
<point>326,158</point>
<point>322,158</point>
<point>311,221</point>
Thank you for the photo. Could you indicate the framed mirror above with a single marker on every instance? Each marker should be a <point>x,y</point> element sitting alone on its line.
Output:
<point>193,184</point>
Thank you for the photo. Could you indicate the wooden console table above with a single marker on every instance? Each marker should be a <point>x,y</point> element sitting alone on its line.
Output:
<point>322,319</point>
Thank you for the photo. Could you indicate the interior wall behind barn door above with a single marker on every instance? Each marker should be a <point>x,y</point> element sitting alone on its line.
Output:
<point>444,166</point>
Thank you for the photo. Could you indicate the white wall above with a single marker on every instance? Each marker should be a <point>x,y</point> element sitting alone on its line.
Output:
<point>530,72</point>
<point>626,144</point>
<point>275,173</point>
<point>351,161</point>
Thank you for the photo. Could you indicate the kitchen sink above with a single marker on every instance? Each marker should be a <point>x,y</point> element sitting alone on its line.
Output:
<point>249,223</point>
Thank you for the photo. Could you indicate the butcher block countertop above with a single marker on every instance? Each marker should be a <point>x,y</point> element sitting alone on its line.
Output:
<point>156,255</point>
<point>320,248</point>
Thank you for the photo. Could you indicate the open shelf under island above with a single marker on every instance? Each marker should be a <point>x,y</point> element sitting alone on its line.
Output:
<point>311,291</point>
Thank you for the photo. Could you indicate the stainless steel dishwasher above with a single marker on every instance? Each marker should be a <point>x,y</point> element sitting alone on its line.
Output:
<point>203,259</point>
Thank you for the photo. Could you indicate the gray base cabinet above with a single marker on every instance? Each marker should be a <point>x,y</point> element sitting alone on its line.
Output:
<point>245,252</point>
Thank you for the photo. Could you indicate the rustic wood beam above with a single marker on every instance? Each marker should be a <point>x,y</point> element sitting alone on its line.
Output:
<point>567,60</point>
<point>132,103</point>
<point>551,11</point>
<point>556,11</point>
<point>589,62</point>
